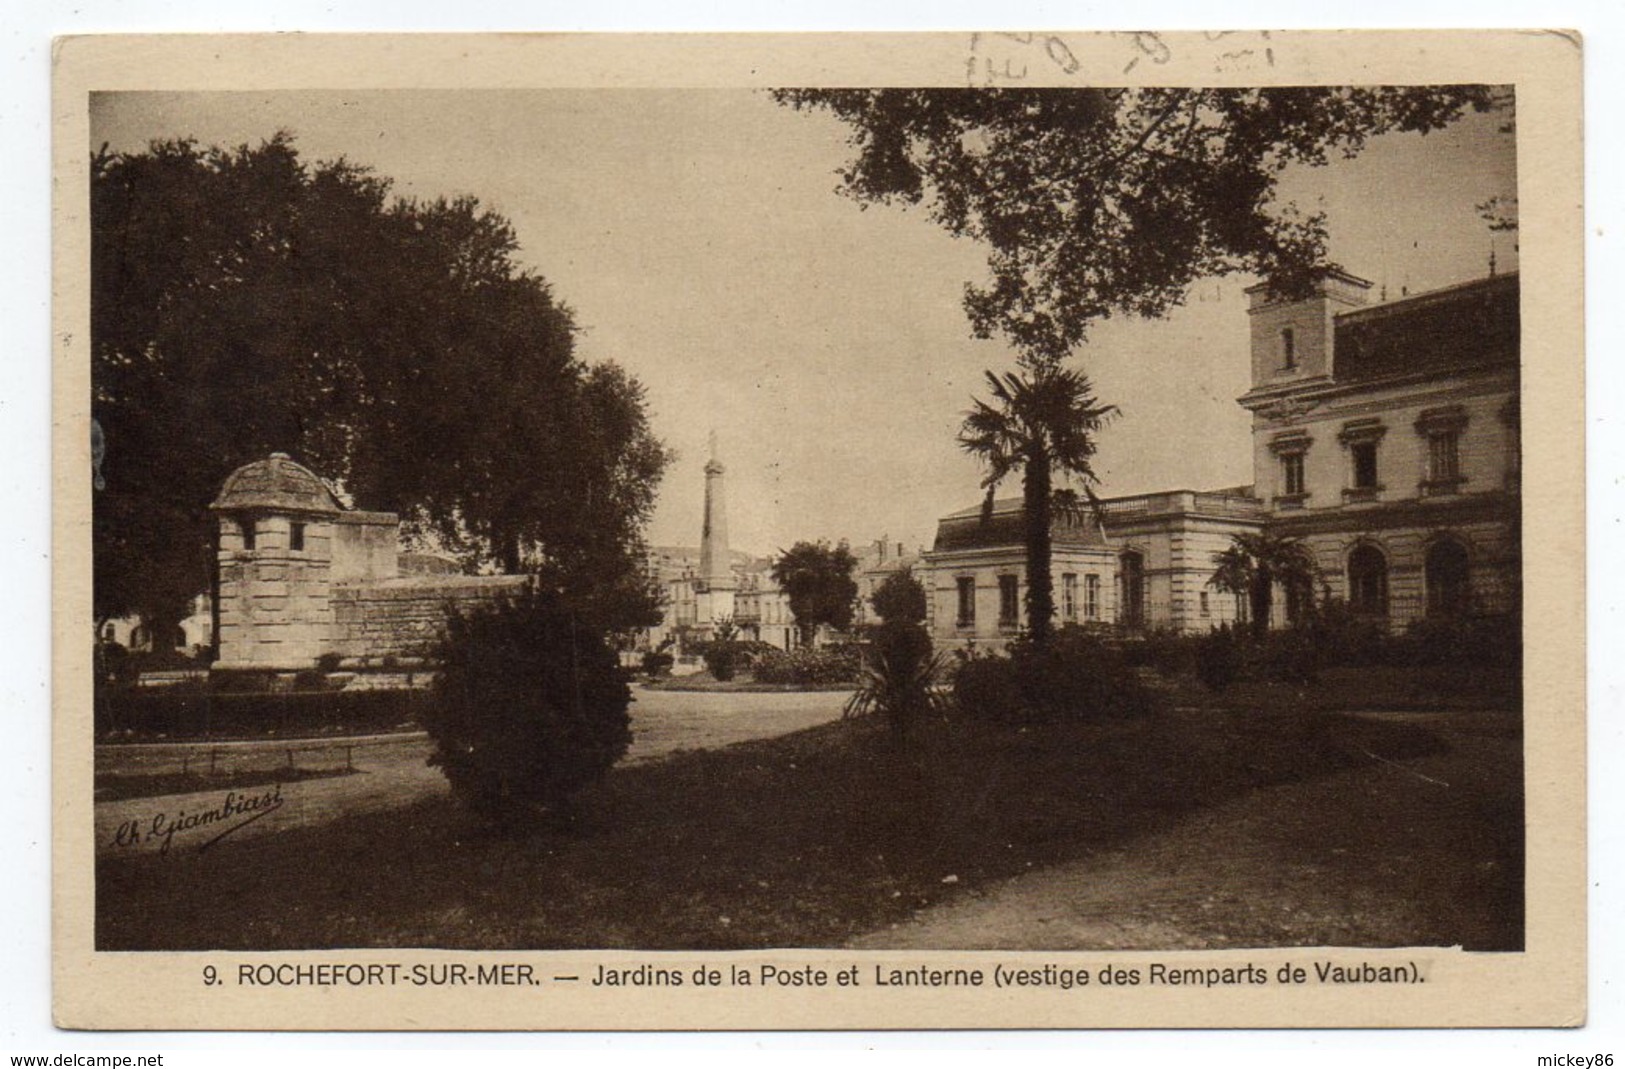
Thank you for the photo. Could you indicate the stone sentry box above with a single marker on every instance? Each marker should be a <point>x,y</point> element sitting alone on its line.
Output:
<point>301,577</point>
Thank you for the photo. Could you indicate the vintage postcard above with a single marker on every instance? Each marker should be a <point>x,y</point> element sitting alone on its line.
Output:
<point>1012,529</point>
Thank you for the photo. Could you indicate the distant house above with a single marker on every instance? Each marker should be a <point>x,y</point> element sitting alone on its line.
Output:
<point>1385,437</point>
<point>1145,562</point>
<point>877,562</point>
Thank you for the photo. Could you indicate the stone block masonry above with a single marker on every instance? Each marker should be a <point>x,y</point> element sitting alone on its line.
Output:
<point>303,578</point>
<point>405,617</point>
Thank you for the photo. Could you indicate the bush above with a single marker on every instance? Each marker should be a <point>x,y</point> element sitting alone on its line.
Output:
<point>1167,651</point>
<point>186,711</point>
<point>1340,636</point>
<point>1291,656</point>
<point>723,658</point>
<point>1218,659</point>
<point>657,663</point>
<point>808,667</point>
<point>1075,676</point>
<point>530,707</point>
<point>114,665</point>
<point>1484,640</point>
<point>311,679</point>
<point>170,660</point>
<point>900,598</point>
<point>899,677</point>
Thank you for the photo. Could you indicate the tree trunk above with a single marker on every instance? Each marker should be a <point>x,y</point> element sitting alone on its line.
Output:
<point>1036,512</point>
<point>508,553</point>
<point>1262,595</point>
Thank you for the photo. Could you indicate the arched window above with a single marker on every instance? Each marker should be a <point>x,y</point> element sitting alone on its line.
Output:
<point>1368,580</point>
<point>1131,580</point>
<point>1447,578</point>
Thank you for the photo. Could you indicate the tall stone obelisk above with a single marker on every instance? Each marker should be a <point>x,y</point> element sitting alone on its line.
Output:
<point>717,583</point>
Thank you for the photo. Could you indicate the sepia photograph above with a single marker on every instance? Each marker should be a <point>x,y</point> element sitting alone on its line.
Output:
<point>879,520</point>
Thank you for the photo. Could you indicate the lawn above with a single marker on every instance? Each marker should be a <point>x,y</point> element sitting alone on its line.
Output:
<point>808,839</point>
<point>1427,688</point>
<point>111,788</point>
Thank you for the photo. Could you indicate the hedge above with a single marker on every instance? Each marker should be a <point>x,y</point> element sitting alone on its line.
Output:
<point>184,711</point>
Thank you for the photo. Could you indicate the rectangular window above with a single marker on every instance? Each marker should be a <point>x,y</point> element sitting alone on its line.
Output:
<point>296,537</point>
<point>1009,601</point>
<point>1292,474</point>
<point>1069,597</point>
<point>1364,456</point>
<point>1091,596</point>
<point>248,533</point>
<point>967,601</point>
<point>1205,607</point>
<point>1443,461</point>
<point>1289,350</point>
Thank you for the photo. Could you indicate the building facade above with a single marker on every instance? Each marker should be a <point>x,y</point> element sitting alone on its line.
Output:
<point>1385,437</point>
<point>1139,562</point>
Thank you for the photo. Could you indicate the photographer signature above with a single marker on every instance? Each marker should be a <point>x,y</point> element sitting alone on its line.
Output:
<point>235,812</point>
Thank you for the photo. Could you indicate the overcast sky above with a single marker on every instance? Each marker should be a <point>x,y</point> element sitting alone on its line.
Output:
<point>698,237</point>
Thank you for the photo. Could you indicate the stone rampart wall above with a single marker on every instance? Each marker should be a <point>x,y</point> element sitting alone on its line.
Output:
<point>405,617</point>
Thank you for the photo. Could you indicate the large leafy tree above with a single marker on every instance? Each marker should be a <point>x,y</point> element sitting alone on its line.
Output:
<point>818,579</point>
<point>244,301</point>
<point>1095,202</point>
<point>1254,563</point>
<point>1041,423</point>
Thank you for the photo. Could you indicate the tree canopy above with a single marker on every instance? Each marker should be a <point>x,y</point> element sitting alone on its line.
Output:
<point>900,598</point>
<point>244,301</point>
<point>1043,423</point>
<point>818,580</point>
<point>1095,202</point>
<point>1254,562</point>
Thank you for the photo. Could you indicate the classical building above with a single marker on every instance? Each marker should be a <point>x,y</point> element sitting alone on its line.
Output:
<point>1144,562</point>
<point>1385,437</point>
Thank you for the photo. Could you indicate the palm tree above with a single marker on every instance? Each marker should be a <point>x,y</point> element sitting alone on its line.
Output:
<point>1253,563</point>
<point>1043,422</point>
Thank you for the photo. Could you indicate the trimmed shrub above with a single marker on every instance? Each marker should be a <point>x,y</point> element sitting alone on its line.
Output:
<point>185,711</point>
<point>530,707</point>
<point>1075,676</point>
<point>808,667</point>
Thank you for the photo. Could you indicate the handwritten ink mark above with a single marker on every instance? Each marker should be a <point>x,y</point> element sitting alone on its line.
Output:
<point>239,826</point>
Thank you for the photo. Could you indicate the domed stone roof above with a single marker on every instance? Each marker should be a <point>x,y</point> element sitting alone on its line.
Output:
<point>276,484</point>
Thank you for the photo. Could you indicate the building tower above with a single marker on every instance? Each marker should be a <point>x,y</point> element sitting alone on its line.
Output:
<point>716,583</point>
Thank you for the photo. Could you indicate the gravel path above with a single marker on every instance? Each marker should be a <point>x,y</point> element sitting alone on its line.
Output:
<point>391,770</point>
<point>1423,852</point>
